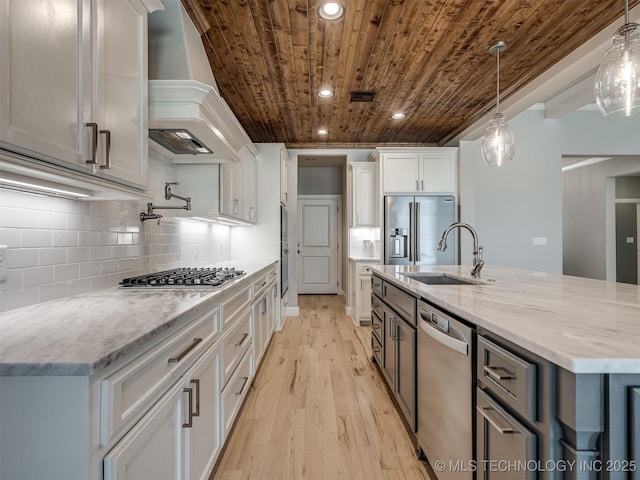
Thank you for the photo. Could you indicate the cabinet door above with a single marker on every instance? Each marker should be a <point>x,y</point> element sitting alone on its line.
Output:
<point>121,90</point>
<point>153,447</point>
<point>437,173</point>
<point>44,78</point>
<point>400,173</point>
<point>364,198</point>
<point>227,204</point>
<point>249,187</point>
<point>406,380</point>
<point>390,323</point>
<point>202,439</point>
<point>363,298</point>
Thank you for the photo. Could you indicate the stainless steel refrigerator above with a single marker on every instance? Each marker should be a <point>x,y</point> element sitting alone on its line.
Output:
<point>413,225</point>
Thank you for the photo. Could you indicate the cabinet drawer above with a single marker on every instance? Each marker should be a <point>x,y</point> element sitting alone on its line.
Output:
<point>376,285</point>
<point>235,343</point>
<point>376,349</point>
<point>376,305</point>
<point>508,376</point>
<point>259,286</point>
<point>500,437</point>
<point>234,306</point>
<point>402,302</point>
<point>235,391</point>
<point>376,327</point>
<point>127,394</point>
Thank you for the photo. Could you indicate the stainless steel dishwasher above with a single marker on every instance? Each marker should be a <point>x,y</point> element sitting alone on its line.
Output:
<point>445,385</point>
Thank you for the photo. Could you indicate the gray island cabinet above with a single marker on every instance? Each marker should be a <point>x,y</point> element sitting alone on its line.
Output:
<point>553,367</point>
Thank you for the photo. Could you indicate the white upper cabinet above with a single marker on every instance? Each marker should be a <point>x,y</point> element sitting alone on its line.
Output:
<point>418,170</point>
<point>120,99</point>
<point>248,186</point>
<point>73,87</point>
<point>45,81</point>
<point>363,194</point>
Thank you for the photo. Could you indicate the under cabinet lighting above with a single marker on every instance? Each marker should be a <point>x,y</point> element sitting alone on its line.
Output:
<point>34,185</point>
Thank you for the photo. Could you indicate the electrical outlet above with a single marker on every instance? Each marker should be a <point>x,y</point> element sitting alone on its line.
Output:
<point>3,263</point>
<point>538,241</point>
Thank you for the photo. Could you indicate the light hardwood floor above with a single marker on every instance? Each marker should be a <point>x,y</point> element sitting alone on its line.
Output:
<point>318,409</point>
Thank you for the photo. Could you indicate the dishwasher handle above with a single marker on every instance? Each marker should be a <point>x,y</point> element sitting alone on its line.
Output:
<point>444,338</point>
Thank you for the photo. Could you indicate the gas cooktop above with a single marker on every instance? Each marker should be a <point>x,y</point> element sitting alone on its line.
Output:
<point>184,277</point>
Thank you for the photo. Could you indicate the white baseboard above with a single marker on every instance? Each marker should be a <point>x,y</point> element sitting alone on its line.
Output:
<point>293,311</point>
<point>347,311</point>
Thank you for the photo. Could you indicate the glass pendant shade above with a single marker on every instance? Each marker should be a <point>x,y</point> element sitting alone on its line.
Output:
<point>498,146</point>
<point>617,85</point>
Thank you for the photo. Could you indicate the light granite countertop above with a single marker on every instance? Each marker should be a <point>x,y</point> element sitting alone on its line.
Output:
<point>580,324</point>
<point>82,335</point>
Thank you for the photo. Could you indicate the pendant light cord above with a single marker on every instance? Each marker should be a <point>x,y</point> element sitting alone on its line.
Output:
<point>626,11</point>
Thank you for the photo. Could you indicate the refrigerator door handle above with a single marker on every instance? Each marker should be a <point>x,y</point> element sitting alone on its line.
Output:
<point>416,214</point>
<point>411,233</point>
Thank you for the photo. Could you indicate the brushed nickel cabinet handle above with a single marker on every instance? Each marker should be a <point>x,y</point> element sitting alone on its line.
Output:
<point>196,382</point>
<point>484,411</point>
<point>496,373</point>
<point>94,142</point>
<point>244,384</point>
<point>241,340</point>
<point>189,422</point>
<point>186,351</point>
<point>107,148</point>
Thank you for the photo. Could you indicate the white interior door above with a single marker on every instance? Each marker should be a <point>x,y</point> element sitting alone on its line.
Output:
<point>318,236</point>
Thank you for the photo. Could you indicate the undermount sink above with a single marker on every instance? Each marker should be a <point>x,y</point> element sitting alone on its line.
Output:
<point>440,279</point>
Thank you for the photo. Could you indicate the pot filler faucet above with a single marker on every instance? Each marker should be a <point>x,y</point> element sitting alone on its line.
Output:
<point>168,195</point>
<point>478,263</point>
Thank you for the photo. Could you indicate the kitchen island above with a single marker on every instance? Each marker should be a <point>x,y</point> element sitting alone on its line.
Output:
<point>131,383</point>
<point>554,365</point>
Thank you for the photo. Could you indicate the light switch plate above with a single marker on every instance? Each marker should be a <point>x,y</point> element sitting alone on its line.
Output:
<point>3,263</point>
<point>539,241</point>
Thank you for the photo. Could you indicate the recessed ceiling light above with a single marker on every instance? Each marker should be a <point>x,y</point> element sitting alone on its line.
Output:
<point>331,10</point>
<point>325,93</point>
<point>398,116</point>
<point>322,131</point>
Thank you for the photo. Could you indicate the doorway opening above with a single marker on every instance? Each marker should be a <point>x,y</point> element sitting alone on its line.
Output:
<point>321,209</point>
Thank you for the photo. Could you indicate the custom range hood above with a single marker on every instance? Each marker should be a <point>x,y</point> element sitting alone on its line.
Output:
<point>188,120</point>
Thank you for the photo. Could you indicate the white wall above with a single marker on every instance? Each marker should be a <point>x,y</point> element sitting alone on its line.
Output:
<point>320,180</point>
<point>589,197</point>
<point>512,204</point>
<point>60,247</point>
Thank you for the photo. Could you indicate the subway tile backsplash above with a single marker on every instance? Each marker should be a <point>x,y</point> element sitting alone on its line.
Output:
<point>59,247</point>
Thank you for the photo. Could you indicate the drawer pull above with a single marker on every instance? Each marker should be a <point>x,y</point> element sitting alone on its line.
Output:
<point>484,411</point>
<point>244,384</point>
<point>376,349</point>
<point>186,351</point>
<point>189,422</point>
<point>375,326</point>
<point>241,340</point>
<point>497,373</point>
<point>376,305</point>
<point>196,382</point>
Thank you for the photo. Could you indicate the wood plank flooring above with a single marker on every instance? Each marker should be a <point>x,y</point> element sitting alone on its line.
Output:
<point>318,409</point>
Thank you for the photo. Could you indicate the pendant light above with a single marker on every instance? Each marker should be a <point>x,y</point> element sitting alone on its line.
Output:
<point>497,144</point>
<point>618,79</point>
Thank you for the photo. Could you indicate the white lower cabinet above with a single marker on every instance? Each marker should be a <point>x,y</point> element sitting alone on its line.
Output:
<point>154,447</point>
<point>360,295</point>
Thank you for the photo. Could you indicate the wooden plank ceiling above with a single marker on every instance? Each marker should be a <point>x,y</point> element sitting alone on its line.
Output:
<point>426,58</point>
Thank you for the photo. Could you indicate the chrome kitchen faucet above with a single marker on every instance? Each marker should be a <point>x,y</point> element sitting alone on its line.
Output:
<point>478,262</point>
